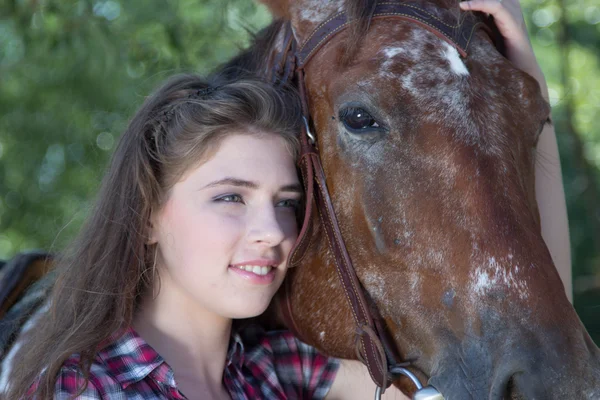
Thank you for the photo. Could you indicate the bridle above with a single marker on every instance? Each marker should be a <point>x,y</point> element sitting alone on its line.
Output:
<point>373,347</point>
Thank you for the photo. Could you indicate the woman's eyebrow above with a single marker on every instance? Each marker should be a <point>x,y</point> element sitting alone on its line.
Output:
<point>295,187</point>
<point>232,182</point>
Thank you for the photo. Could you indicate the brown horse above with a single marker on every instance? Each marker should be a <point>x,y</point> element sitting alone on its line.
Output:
<point>429,159</point>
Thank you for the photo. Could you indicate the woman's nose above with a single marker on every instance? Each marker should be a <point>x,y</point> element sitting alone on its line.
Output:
<point>264,227</point>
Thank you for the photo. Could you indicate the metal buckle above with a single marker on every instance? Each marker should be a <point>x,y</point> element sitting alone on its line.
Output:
<point>422,393</point>
<point>312,137</point>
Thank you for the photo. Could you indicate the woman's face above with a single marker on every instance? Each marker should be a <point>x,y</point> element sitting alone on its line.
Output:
<point>226,230</point>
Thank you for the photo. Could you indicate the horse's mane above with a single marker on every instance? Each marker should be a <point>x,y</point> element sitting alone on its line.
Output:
<point>253,59</point>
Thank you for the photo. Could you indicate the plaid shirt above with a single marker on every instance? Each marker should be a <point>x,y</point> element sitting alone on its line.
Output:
<point>260,365</point>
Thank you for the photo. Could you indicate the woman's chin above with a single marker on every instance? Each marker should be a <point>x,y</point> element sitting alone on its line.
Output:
<point>250,310</point>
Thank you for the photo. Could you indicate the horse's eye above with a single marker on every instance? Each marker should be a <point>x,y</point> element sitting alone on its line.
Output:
<point>357,119</point>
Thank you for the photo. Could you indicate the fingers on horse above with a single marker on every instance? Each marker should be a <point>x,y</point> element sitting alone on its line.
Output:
<point>507,16</point>
<point>493,7</point>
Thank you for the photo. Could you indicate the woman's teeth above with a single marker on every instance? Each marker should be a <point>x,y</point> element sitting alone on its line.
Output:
<point>255,269</point>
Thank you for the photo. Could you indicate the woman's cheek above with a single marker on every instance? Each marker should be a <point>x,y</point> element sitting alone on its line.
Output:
<point>289,225</point>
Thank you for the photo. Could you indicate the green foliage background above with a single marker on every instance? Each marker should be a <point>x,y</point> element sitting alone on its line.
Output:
<point>73,71</point>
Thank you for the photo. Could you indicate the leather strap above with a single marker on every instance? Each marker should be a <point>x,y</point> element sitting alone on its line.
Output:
<point>369,346</point>
<point>456,34</point>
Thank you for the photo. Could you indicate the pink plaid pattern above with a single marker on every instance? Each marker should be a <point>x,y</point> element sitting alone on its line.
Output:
<point>260,365</point>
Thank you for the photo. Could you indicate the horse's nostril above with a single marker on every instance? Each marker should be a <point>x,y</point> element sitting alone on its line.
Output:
<point>512,393</point>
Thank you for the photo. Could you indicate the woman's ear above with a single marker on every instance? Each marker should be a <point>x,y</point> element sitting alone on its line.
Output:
<point>152,234</point>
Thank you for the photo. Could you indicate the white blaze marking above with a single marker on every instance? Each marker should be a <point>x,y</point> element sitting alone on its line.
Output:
<point>456,63</point>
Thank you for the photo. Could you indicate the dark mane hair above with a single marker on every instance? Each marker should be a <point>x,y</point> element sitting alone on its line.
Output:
<point>254,59</point>
<point>360,12</point>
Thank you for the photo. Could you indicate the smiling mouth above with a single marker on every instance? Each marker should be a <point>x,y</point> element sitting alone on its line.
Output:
<point>255,269</point>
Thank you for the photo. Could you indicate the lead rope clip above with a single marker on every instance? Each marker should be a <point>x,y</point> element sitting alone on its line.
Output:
<point>422,393</point>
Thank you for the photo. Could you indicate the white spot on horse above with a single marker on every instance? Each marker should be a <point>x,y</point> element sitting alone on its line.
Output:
<point>482,282</point>
<point>435,81</point>
<point>456,64</point>
<point>318,11</point>
<point>375,285</point>
<point>306,15</point>
<point>436,256</point>
<point>322,336</point>
<point>497,275</point>
<point>391,52</point>
<point>312,15</point>
<point>414,280</point>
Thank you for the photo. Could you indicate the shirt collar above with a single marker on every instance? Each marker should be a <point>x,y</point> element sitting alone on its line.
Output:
<point>131,359</point>
<point>235,353</point>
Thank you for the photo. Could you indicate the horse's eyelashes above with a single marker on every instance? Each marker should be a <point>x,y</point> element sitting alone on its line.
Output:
<point>540,130</point>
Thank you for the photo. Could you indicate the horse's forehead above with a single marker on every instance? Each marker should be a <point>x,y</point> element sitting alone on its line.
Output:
<point>419,49</point>
<point>408,64</point>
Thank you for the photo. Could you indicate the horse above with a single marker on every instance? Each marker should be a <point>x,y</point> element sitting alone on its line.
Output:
<point>420,251</point>
<point>424,135</point>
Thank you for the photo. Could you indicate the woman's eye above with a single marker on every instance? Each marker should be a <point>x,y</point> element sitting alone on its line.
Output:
<point>357,119</point>
<point>289,203</point>
<point>230,198</point>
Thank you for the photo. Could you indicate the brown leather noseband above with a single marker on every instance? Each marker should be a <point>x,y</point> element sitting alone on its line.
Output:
<point>372,347</point>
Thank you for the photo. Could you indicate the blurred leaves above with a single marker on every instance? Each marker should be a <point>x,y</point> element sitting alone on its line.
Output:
<point>566,37</point>
<point>73,71</point>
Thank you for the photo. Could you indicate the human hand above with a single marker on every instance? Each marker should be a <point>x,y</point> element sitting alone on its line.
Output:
<point>508,17</point>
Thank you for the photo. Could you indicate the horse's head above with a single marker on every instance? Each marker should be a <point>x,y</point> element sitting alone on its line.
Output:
<point>429,159</point>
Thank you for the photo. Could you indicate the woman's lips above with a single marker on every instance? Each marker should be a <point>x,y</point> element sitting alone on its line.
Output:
<point>258,274</point>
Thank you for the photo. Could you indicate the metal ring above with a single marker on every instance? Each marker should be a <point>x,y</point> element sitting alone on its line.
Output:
<point>312,137</point>
<point>407,373</point>
<point>400,371</point>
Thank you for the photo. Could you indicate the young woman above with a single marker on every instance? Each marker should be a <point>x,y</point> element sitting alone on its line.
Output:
<point>193,224</point>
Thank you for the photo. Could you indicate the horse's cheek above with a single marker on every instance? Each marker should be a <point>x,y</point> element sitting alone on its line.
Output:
<point>315,288</point>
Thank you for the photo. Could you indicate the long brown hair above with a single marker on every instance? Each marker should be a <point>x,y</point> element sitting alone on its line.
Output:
<point>105,272</point>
